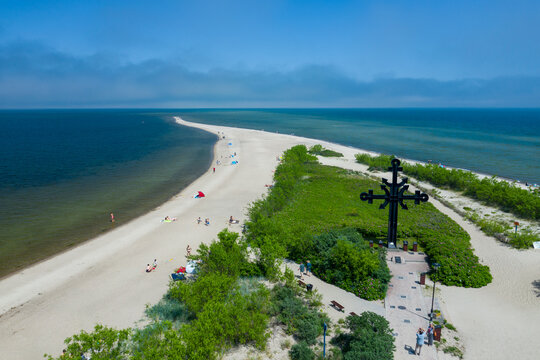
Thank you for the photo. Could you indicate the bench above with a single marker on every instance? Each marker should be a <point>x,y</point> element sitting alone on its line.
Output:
<point>352,313</point>
<point>301,283</point>
<point>337,305</point>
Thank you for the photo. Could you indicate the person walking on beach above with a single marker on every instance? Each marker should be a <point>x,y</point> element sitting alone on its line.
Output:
<point>188,250</point>
<point>112,217</point>
<point>430,334</point>
<point>419,341</point>
<point>199,220</point>
<point>214,170</point>
<point>302,268</point>
<point>308,268</point>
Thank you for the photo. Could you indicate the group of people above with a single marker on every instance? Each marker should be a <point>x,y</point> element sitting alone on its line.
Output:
<point>206,221</point>
<point>305,269</point>
<point>421,338</point>
<point>150,268</point>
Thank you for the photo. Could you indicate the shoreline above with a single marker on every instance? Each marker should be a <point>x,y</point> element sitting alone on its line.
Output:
<point>103,280</point>
<point>178,120</point>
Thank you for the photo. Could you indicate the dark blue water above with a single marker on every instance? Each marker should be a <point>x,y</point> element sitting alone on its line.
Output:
<point>63,172</point>
<point>502,142</point>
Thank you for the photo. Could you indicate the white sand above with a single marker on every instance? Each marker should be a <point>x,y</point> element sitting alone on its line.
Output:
<point>103,280</point>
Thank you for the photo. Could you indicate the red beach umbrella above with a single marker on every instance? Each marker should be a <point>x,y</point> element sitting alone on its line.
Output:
<point>201,194</point>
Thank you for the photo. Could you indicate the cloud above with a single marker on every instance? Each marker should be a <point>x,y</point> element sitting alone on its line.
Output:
<point>35,76</point>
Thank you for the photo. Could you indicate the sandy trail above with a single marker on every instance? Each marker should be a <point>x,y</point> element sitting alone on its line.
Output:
<point>103,280</point>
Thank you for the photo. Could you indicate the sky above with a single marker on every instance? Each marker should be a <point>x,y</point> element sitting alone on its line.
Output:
<point>273,53</point>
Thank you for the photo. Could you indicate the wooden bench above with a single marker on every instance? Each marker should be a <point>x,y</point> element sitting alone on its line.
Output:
<point>301,283</point>
<point>337,305</point>
<point>352,313</point>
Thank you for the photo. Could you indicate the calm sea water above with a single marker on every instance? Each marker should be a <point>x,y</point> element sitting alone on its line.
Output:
<point>63,172</point>
<point>502,142</point>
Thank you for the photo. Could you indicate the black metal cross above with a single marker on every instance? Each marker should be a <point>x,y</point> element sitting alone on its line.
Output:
<point>394,196</point>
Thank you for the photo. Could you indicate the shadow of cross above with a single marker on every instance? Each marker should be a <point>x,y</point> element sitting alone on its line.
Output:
<point>394,195</point>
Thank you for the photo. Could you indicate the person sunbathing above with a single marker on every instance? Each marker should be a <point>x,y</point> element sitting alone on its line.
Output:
<point>232,221</point>
<point>149,268</point>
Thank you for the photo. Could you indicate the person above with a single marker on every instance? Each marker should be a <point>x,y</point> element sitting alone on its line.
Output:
<point>167,218</point>
<point>308,268</point>
<point>419,341</point>
<point>188,250</point>
<point>154,265</point>
<point>429,333</point>
<point>112,217</point>
<point>302,268</point>
<point>214,169</point>
<point>148,268</point>
<point>231,220</point>
<point>199,220</point>
<point>207,221</point>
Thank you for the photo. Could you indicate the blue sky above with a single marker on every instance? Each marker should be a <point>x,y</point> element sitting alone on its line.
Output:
<point>256,53</point>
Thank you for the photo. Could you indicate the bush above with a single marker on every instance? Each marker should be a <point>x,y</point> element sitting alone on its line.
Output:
<point>523,239</point>
<point>369,338</point>
<point>304,322</point>
<point>301,351</point>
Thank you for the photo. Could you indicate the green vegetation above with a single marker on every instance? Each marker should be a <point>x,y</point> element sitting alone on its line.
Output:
<point>501,230</point>
<point>502,194</point>
<point>454,351</point>
<point>319,150</point>
<point>313,212</point>
<point>224,306</point>
<point>369,337</point>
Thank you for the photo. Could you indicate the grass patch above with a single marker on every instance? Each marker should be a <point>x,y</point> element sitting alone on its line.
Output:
<point>319,150</point>
<point>310,200</point>
<point>454,351</point>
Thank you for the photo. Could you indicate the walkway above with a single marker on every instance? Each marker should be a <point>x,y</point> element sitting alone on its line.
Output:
<point>406,307</point>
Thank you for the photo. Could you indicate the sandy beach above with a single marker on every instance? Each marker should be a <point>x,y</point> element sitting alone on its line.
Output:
<point>104,280</point>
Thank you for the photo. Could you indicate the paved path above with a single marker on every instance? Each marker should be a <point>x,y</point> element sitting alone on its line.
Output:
<point>406,307</point>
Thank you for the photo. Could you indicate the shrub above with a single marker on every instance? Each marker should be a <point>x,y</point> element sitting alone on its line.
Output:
<point>301,351</point>
<point>103,343</point>
<point>523,239</point>
<point>369,337</point>
<point>301,320</point>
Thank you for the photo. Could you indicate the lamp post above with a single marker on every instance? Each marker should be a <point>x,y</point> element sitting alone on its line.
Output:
<point>324,341</point>
<point>435,267</point>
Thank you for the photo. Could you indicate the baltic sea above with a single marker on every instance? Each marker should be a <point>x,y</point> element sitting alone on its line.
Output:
<point>62,172</point>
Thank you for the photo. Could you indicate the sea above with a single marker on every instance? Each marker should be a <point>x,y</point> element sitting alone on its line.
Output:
<point>62,172</point>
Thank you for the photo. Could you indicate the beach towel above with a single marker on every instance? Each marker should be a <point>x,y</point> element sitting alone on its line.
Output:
<point>176,277</point>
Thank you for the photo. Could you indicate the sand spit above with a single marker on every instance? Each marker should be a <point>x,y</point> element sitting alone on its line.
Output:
<point>103,280</point>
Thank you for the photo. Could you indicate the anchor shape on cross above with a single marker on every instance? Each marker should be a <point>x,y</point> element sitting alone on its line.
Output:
<point>394,195</point>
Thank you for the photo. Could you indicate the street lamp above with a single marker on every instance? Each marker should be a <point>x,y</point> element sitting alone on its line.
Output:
<point>324,342</point>
<point>435,267</point>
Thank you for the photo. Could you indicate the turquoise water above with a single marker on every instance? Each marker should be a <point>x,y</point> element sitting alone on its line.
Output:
<point>63,172</point>
<point>502,142</point>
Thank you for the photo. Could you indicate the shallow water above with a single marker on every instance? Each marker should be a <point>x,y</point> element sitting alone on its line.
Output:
<point>502,142</point>
<point>63,172</point>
